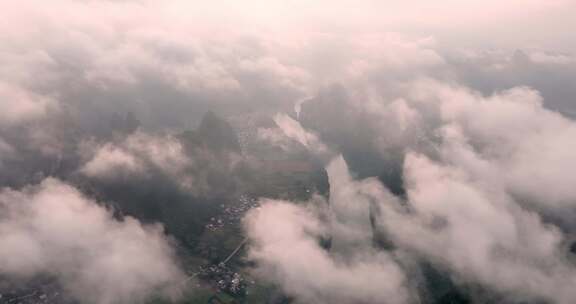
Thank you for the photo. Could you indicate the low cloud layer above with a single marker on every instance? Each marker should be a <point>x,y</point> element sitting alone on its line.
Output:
<point>52,229</point>
<point>447,144</point>
<point>486,195</point>
<point>288,252</point>
<point>134,156</point>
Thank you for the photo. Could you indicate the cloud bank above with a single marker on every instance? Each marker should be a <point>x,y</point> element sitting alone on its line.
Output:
<point>53,229</point>
<point>445,130</point>
<point>485,195</point>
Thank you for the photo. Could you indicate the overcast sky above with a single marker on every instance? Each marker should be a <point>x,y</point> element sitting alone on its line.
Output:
<point>490,23</point>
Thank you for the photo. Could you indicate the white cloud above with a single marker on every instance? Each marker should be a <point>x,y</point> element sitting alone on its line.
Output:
<point>294,130</point>
<point>137,155</point>
<point>18,105</point>
<point>527,146</point>
<point>109,160</point>
<point>52,228</point>
<point>480,233</point>
<point>473,192</point>
<point>287,250</point>
<point>473,229</point>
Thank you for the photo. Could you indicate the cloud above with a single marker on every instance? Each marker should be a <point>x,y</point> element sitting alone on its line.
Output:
<point>99,93</point>
<point>292,129</point>
<point>153,60</point>
<point>494,70</point>
<point>502,131</point>
<point>53,229</point>
<point>486,195</point>
<point>480,233</point>
<point>551,58</point>
<point>286,247</point>
<point>135,154</point>
<point>18,105</point>
<point>108,159</point>
<point>352,226</point>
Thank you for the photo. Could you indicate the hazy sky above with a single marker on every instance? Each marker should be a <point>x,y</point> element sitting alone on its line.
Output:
<point>535,23</point>
<point>490,23</point>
